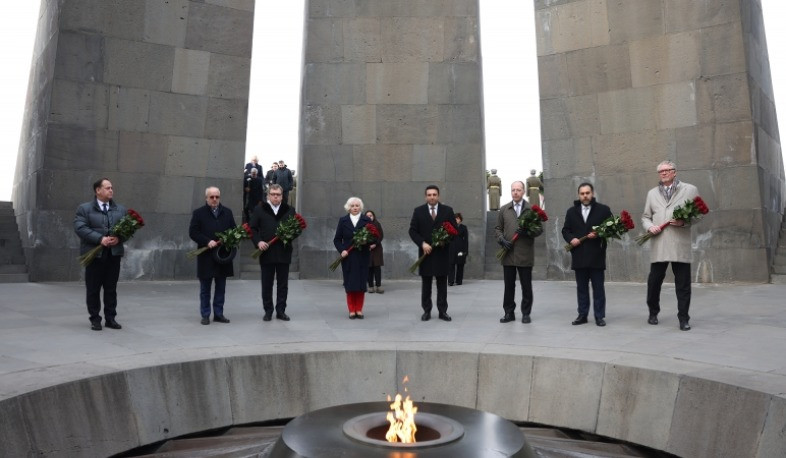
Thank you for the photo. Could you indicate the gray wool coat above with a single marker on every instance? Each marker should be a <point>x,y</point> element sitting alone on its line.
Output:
<point>674,243</point>
<point>523,252</point>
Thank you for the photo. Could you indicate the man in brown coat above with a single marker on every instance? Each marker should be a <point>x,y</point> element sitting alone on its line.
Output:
<point>520,256</point>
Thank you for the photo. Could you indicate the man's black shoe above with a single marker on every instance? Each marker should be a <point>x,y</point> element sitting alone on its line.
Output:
<point>425,317</point>
<point>205,320</point>
<point>95,326</point>
<point>507,318</point>
<point>581,319</point>
<point>600,322</point>
<point>221,319</point>
<point>684,326</point>
<point>445,317</point>
<point>112,324</point>
<point>268,316</point>
<point>653,319</point>
<point>450,284</point>
<point>526,319</point>
<point>282,316</point>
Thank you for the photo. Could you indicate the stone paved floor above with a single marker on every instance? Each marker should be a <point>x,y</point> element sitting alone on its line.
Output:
<point>739,331</point>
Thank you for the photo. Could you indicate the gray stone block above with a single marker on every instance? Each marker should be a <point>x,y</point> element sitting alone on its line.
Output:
<point>358,124</point>
<point>637,20</point>
<point>514,403</point>
<point>327,164</point>
<point>637,414</point>
<point>722,50</point>
<point>324,40</point>
<point>461,160</point>
<point>70,148</point>
<point>243,5</point>
<point>139,152</point>
<point>223,158</point>
<point>665,59</point>
<point>178,114</point>
<point>172,192</point>
<point>568,157</point>
<point>397,83</point>
<point>362,39</point>
<point>322,125</point>
<point>191,71</point>
<point>79,104</point>
<point>428,163</point>
<point>697,400</point>
<point>681,16</point>
<point>428,371</point>
<point>554,119</point>
<point>166,22</point>
<point>570,26</point>
<point>339,84</point>
<point>12,427</point>
<point>229,77</point>
<point>565,393</point>
<point>375,163</point>
<point>457,83</point>
<point>462,39</point>
<point>226,119</point>
<point>330,373</point>
<point>598,70</point>
<point>413,124</point>
<point>141,65</point>
<point>219,29</point>
<point>627,110</point>
<point>187,156</point>
<point>723,98</point>
<point>80,57</point>
<point>631,152</point>
<point>460,124</point>
<point>412,39</point>
<point>116,18</point>
<point>772,441</point>
<point>675,105</point>
<point>128,109</point>
<point>163,409</point>
<point>553,76</point>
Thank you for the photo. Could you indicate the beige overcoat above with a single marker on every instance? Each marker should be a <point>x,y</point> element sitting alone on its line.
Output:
<point>674,243</point>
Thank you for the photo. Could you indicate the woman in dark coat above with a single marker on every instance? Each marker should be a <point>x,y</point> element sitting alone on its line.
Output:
<point>458,253</point>
<point>355,264</point>
<point>377,260</point>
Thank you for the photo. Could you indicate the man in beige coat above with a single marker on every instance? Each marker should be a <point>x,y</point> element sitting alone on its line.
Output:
<point>671,244</point>
<point>520,256</point>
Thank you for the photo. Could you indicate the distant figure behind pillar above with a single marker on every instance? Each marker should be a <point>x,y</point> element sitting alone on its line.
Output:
<point>534,186</point>
<point>494,186</point>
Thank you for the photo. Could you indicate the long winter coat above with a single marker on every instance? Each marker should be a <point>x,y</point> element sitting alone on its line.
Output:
<point>591,253</point>
<point>377,254</point>
<point>263,224</point>
<point>523,252</point>
<point>674,243</point>
<point>355,265</point>
<point>91,226</point>
<point>202,230</point>
<point>420,229</point>
<point>459,244</point>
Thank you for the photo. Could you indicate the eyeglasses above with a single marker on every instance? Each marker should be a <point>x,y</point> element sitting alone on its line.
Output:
<point>275,194</point>
<point>213,197</point>
<point>665,170</point>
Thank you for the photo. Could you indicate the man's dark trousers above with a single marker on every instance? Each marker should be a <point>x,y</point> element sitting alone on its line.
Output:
<point>218,298</point>
<point>681,272</point>
<point>583,279</point>
<point>442,293</point>
<point>508,298</point>
<point>280,273</point>
<point>103,272</point>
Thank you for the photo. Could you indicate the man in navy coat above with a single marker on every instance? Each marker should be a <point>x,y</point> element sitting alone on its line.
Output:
<point>425,219</point>
<point>588,257</point>
<point>205,222</point>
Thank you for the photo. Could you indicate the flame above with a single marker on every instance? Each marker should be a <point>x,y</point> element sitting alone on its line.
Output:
<point>402,419</point>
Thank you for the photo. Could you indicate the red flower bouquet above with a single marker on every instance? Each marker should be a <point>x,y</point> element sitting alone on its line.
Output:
<point>529,222</point>
<point>229,239</point>
<point>611,228</point>
<point>690,211</point>
<point>363,237</point>
<point>439,238</point>
<point>286,232</point>
<point>124,230</point>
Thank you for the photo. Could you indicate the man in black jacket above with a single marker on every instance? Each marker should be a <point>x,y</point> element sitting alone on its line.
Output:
<point>425,219</point>
<point>275,258</point>
<point>588,256</point>
<point>205,222</point>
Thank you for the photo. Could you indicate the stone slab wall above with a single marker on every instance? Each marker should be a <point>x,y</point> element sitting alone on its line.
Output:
<point>391,102</point>
<point>684,408</point>
<point>625,85</point>
<point>150,94</point>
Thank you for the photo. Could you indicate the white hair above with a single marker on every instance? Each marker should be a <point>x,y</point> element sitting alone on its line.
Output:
<point>669,163</point>
<point>353,199</point>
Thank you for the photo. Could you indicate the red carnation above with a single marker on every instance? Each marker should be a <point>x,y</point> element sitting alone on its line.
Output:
<point>300,221</point>
<point>450,229</point>
<point>373,230</point>
<point>247,228</point>
<point>541,214</point>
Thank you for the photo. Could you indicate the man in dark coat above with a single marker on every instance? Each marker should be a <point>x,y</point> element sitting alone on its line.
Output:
<point>425,219</point>
<point>275,259</point>
<point>284,179</point>
<point>92,223</point>
<point>270,176</point>
<point>458,253</point>
<point>588,258</point>
<point>255,193</point>
<point>206,221</point>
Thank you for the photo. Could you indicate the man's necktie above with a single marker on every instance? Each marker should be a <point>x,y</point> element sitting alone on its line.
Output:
<point>518,210</point>
<point>106,215</point>
<point>585,212</point>
<point>433,213</point>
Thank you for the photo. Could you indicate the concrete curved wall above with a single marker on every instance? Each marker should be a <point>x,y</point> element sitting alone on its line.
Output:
<point>689,409</point>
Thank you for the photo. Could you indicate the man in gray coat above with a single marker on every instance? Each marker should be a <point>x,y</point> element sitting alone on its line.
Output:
<point>92,224</point>
<point>672,244</point>
<point>520,256</point>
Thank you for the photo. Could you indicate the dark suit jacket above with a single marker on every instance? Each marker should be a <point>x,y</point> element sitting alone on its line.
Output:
<point>91,225</point>
<point>355,266</point>
<point>263,224</point>
<point>459,244</point>
<point>256,192</point>
<point>591,254</point>
<point>202,229</point>
<point>420,228</point>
